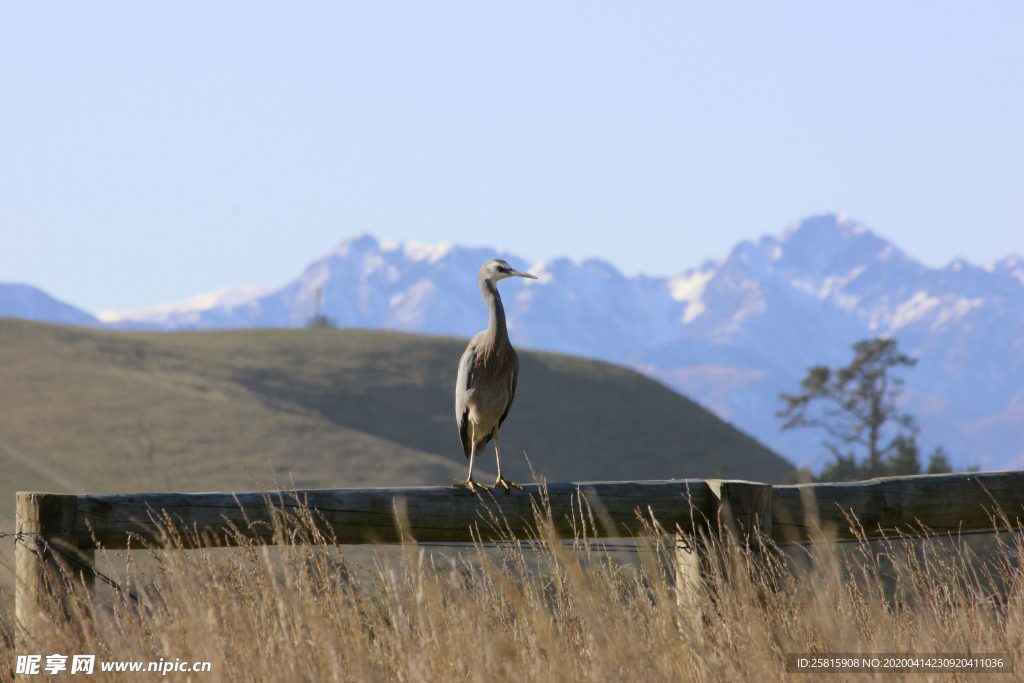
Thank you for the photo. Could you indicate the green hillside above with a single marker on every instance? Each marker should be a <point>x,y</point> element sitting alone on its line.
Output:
<point>86,410</point>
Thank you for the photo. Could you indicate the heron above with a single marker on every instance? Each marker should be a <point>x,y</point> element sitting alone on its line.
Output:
<point>488,375</point>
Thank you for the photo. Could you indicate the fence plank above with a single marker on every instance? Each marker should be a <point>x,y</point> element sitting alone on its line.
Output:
<point>442,514</point>
<point>428,514</point>
<point>740,509</point>
<point>942,502</point>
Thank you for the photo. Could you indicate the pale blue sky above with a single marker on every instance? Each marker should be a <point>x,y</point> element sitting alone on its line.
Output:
<point>151,151</point>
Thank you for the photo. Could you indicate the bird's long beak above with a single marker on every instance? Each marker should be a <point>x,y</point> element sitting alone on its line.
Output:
<point>522,274</point>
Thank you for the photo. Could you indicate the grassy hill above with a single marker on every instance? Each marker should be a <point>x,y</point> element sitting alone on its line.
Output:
<point>97,411</point>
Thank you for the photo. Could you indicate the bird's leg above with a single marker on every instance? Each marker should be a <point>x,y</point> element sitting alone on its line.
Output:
<point>469,483</point>
<point>501,481</point>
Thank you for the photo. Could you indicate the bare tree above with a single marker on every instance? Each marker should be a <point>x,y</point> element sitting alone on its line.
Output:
<point>856,405</point>
<point>319,319</point>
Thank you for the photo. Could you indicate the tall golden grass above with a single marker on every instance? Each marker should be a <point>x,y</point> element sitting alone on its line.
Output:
<point>542,610</point>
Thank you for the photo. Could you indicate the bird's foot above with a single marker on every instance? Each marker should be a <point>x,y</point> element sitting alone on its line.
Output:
<point>501,481</point>
<point>471,485</point>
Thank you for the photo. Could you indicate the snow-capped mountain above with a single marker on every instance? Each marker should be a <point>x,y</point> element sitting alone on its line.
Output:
<point>776,306</point>
<point>31,303</point>
<point>731,334</point>
<point>364,283</point>
<point>198,312</point>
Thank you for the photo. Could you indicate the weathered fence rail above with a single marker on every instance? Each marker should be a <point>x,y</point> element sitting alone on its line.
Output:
<point>382,515</point>
<point>60,532</point>
<point>941,502</point>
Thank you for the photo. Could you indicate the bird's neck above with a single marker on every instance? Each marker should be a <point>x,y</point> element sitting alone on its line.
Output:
<point>496,329</point>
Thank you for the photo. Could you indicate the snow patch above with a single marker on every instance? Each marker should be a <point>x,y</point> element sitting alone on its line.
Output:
<point>959,309</point>
<point>420,251</point>
<point>689,289</point>
<point>544,272</point>
<point>410,308</point>
<point>913,309</point>
<point>221,298</point>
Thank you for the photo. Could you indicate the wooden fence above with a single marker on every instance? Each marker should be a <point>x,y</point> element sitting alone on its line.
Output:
<point>59,532</point>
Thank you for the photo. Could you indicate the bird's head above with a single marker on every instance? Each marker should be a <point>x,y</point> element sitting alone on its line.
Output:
<point>496,269</point>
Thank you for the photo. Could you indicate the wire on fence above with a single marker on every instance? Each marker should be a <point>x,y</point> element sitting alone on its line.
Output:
<point>17,535</point>
<point>41,547</point>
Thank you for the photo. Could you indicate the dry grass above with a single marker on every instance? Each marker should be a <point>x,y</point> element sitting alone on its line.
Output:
<point>541,611</point>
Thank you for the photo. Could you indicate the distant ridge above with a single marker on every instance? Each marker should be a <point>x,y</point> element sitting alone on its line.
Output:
<point>731,334</point>
<point>31,303</point>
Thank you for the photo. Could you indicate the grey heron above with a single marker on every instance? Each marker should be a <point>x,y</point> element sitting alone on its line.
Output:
<point>488,375</point>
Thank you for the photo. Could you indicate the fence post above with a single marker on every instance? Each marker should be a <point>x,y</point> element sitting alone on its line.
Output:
<point>741,510</point>
<point>46,554</point>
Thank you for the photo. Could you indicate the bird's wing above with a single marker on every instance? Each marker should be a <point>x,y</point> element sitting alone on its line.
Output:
<point>462,386</point>
<point>513,383</point>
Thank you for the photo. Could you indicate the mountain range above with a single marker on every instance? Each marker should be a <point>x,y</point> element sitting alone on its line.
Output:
<point>731,334</point>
